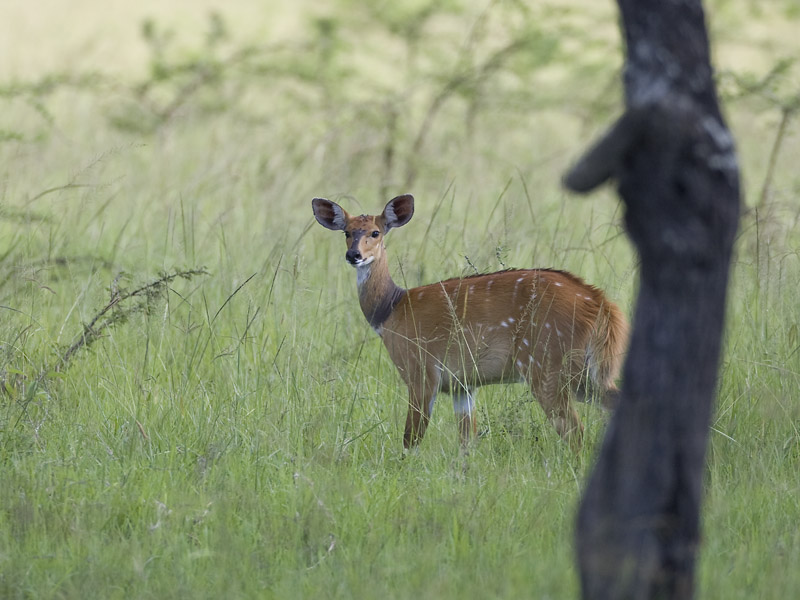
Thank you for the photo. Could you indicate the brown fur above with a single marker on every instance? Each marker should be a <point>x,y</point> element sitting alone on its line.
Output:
<point>543,326</point>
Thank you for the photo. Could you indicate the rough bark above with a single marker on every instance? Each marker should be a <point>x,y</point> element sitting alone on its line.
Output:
<point>673,159</point>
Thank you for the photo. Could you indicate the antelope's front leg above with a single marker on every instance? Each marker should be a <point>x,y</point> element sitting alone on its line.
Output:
<point>420,406</point>
<point>464,406</point>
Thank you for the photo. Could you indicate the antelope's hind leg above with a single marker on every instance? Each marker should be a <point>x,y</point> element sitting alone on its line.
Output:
<point>464,408</point>
<point>553,394</point>
<point>588,391</point>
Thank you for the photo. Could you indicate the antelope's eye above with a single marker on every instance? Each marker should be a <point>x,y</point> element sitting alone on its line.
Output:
<point>376,234</point>
<point>347,234</point>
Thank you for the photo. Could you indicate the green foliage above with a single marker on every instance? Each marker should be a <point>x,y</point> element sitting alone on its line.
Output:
<point>238,434</point>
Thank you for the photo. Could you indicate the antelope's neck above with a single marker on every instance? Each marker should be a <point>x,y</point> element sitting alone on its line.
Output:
<point>378,294</point>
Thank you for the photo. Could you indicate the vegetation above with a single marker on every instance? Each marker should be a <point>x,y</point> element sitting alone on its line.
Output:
<point>191,403</point>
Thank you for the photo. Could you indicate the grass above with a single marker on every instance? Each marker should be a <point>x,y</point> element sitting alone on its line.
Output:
<point>239,434</point>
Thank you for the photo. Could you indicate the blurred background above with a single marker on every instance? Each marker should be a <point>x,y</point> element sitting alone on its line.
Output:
<point>184,372</point>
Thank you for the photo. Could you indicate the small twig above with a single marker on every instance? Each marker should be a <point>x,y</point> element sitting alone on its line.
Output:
<point>142,431</point>
<point>93,330</point>
<point>471,264</point>
<point>498,252</point>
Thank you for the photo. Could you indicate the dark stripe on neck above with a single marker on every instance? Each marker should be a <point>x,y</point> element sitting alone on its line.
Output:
<point>386,306</point>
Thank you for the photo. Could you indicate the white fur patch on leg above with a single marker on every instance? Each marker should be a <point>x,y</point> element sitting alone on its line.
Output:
<point>463,402</point>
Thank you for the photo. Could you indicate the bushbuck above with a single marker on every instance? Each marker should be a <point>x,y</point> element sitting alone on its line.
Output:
<point>542,326</point>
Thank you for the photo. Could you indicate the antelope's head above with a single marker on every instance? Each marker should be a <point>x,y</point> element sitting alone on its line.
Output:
<point>364,234</point>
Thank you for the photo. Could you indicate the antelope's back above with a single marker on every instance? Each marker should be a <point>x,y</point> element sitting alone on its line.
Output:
<point>483,326</point>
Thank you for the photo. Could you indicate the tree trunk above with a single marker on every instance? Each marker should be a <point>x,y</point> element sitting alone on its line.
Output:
<point>675,164</point>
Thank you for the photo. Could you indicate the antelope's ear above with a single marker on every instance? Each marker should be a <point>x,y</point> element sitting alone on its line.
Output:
<point>398,211</point>
<point>329,214</point>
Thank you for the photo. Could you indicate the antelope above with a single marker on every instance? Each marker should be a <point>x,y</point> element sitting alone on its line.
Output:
<point>541,326</point>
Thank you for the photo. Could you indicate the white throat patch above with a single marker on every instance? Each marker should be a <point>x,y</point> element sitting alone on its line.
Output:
<point>363,271</point>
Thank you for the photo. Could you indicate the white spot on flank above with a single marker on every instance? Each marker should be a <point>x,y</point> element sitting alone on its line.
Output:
<point>526,342</point>
<point>511,319</point>
<point>558,283</point>
<point>471,289</point>
<point>503,323</point>
<point>538,364</point>
<point>547,325</point>
<point>489,283</point>
<point>530,358</point>
<point>519,363</point>
<point>520,279</point>
<point>587,298</point>
<point>420,295</point>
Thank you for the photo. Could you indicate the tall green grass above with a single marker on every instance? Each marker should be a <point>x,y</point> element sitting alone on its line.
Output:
<point>239,434</point>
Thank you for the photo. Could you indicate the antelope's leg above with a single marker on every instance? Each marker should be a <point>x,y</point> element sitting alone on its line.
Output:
<point>421,397</point>
<point>554,397</point>
<point>464,407</point>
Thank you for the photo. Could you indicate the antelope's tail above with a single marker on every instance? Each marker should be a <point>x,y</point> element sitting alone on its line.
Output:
<point>607,346</point>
